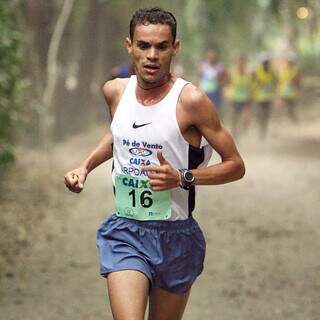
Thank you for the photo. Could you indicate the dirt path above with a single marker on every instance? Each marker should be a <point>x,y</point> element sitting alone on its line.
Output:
<point>263,239</point>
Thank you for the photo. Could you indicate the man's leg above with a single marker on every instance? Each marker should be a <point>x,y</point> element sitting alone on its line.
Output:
<point>164,305</point>
<point>265,110</point>
<point>128,294</point>
<point>291,105</point>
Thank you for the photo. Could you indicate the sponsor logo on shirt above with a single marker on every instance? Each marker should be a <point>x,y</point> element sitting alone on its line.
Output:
<point>140,152</point>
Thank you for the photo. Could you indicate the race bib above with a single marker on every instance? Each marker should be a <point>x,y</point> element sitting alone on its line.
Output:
<point>135,199</point>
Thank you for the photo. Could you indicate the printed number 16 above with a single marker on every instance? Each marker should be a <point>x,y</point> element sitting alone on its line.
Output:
<point>145,201</point>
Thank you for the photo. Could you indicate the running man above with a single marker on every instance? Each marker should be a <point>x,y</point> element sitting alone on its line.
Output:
<point>213,77</point>
<point>162,132</point>
<point>289,79</point>
<point>264,83</point>
<point>241,94</point>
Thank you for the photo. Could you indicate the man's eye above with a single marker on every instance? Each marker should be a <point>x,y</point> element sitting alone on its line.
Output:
<point>143,45</point>
<point>163,47</point>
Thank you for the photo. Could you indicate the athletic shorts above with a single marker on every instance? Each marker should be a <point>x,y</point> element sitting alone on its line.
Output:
<point>169,253</point>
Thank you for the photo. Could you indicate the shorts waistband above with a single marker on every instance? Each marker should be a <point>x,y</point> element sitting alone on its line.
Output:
<point>160,224</point>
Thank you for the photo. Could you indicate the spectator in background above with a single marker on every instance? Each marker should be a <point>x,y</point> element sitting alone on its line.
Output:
<point>264,86</point>
<point>123,70</point>
<point>289,78</point>
<point>241,94</point>
<point>213,77</point>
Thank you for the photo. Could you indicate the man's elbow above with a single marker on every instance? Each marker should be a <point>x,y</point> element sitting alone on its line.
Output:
<point>240,169</point>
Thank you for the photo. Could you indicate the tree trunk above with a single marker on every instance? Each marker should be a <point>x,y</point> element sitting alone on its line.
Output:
<point>47,116</point>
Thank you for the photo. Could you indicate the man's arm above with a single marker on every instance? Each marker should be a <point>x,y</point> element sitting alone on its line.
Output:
<point>202,115</point>
<point>74,179</point>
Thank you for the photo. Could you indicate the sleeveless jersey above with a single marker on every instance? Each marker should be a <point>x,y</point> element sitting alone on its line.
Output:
<point>241,86</point>
<point>140,131</point>
<point>287,87</point>
<point>264,85</point>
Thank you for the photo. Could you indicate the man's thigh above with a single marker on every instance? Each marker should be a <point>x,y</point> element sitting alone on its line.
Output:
<point>164,305</point>
<point>128,294</point>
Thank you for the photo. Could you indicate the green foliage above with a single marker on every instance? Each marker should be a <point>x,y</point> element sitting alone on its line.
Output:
<point>10,81</point>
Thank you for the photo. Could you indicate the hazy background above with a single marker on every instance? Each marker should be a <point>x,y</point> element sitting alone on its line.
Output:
<point>262,232</point>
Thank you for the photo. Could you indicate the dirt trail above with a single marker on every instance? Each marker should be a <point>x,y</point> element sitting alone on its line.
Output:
<point>263,238</point>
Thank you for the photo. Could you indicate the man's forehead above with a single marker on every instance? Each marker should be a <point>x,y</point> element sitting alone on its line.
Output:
<point>153,33</point>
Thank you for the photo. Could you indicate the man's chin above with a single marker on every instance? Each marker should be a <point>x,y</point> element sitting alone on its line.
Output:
<point>149,79</point>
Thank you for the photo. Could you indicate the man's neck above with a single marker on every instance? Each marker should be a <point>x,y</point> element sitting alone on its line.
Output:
<point>149,94</point>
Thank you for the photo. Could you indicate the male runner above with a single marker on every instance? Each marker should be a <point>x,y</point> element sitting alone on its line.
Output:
<point>161,133</point>
<point>264,86</point>
<point>241,95</point>
<point>213,77</point>
<point>289,81</point>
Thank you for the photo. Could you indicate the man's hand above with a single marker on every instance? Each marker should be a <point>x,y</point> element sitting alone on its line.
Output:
<point>74,180</point>
<point>163,177</point>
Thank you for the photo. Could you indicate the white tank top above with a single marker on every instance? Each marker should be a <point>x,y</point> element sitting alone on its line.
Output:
<point>140,131</point>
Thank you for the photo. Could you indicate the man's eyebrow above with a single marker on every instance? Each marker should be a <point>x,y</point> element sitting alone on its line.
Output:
<point>163,42</point>
<point>159,43</point>
<point>142,42</point>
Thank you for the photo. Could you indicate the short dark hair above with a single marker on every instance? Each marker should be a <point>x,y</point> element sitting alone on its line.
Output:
<point>153,15</point>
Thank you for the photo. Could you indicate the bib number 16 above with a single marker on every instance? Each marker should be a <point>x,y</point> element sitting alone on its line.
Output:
<point>135,199</point>
<point>145,199</point>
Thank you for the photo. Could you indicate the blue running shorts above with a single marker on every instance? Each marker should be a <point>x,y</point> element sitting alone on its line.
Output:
<point>169,253</point>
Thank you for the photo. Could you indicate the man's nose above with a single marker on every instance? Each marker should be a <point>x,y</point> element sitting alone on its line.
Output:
<point>153,54</point>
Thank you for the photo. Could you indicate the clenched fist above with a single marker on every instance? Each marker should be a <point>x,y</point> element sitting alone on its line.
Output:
<point>74,180</point>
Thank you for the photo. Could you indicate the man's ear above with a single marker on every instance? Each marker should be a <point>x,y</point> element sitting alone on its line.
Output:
<point>176,47</point>
<point>129,45</point>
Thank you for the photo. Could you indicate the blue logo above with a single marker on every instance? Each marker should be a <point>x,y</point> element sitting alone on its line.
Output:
<point>141,152</point>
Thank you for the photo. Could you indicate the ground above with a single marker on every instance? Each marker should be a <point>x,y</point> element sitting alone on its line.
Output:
<point>263,238</point>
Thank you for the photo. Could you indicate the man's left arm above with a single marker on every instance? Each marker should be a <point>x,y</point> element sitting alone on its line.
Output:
<point>204,117</point>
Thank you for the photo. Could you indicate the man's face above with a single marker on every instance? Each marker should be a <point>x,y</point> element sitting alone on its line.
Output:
<point>151,50</point>
<point>266,64</point>
<point>212,56</point>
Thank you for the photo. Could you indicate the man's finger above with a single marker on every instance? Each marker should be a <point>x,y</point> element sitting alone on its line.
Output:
<point>71,179</point>
<point>81,179</point>
<point>153,175</point>
<point>156,183</point>
<point>153,168</point>
<point>161,158</point>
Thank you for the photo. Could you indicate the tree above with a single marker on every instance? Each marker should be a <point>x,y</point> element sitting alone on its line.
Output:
<point>10,82</point>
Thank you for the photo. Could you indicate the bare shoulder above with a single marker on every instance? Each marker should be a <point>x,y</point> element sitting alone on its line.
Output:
<point>113,90</point>
<point>196,104</point>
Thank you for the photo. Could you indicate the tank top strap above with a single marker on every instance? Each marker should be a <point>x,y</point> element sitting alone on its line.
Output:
<point>176,90</point>
<point>126,98</point>
<point>131,87</point>
<point>128,91</point>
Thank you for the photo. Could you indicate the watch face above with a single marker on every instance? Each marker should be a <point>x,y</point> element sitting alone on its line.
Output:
<point>188,176</point>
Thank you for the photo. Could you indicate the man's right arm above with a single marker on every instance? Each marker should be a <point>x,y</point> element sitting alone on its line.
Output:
<point>74,179</point>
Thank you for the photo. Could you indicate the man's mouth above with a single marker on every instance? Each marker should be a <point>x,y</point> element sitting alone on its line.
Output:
<point>151,67</point>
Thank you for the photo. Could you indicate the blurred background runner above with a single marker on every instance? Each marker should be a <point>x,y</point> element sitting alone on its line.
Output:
<point>289,80</point>
<point>213,78</point>
<point>264,86</point>
<point>240,96</point>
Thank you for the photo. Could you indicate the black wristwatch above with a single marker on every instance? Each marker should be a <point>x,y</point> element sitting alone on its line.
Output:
<point>187,178</point>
